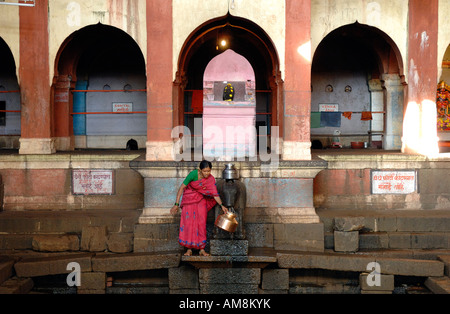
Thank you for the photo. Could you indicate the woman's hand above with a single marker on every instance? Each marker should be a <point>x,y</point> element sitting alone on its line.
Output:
<point>174,209</point>
<point>225,210</point>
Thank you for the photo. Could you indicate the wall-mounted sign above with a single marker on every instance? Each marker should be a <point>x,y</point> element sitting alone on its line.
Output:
<point>122,106</point>
<point>86,182</point>
<point>394,182</point>
<point>329,107</point>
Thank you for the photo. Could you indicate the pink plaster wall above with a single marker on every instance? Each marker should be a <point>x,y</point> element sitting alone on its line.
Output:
<point>229,66</point>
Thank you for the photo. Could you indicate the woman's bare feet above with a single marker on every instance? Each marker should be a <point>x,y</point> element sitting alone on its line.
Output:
<point>203,253</point>
<point>188,252</point>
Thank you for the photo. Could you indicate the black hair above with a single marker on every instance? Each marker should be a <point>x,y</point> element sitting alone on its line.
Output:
<point>205,164</point>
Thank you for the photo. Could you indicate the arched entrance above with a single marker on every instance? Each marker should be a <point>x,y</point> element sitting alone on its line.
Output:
<point>246,39</point>
<point>99,90</point>
<point>357,89</point>
<point>9,100</point>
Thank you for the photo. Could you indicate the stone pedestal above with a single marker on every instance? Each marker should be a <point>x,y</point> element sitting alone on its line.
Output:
<point>279,203</point>
<point>229,247</point>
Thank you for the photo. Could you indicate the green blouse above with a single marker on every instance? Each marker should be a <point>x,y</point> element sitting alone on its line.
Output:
<point>192,176</point>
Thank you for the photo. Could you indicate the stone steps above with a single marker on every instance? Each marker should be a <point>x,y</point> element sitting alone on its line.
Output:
<point>63,230</point>
<point>390,229</point>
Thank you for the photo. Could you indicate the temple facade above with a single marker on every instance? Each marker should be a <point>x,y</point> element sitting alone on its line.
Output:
<point>323,107</point>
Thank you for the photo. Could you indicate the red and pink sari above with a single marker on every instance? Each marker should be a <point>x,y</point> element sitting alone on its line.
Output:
<point>198,199</point>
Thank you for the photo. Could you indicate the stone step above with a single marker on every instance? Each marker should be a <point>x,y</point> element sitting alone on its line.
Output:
<point>6,268</point>
<point>54,263</point>
<point>438,285</point>
<point>400,220</point>
<point>397,240</point>
<point>51,222</point>
<point>360,263</point>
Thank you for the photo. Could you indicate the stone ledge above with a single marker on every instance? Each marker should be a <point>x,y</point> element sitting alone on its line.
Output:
<point>51,265</point>
<point>358,263</point>
<point>106,262</point>
<point>438,285</point>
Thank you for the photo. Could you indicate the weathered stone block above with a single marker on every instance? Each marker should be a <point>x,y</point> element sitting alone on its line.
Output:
<point>275,279</point>
<point>6,267</point>
<point>229,247</point>
<point>299,237</point>
<point>92,281</point>
<point>259,235</point>
<point>385,283</point>
<point>51,265</point>
<point>230,275</point>
<point>156,237</point>
<point>208,288</point>
<point>120,242</point>
<point>391,266</point>
<point>348,223</point>
<point>346,241</point>
<point>183,277</point>
<point>373,240</point>
<point>438,285</point>
<point>17,285</point>
<point>56,243</point>
<point>133,261</point>
<point>93,238</point>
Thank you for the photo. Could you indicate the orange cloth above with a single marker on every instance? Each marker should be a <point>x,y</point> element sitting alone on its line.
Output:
<point>347,114</point>
<point>197,101</point>
<point>366,115</point>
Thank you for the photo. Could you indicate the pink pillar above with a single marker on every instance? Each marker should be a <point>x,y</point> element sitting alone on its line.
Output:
<point>159,80</point>
<point>34,80</point>
<point>419,127</point>
<point>297,85</point>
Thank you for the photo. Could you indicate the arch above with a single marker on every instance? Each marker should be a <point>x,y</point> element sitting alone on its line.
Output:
<point>358,50</point>
<point>97,52</point>
<point>245,38</point>
<point>9,99</point>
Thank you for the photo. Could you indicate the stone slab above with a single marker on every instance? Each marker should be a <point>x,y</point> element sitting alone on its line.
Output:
<point>346,241</point>
<point>299,237</point>
<point>56,242</point>
<point>6,267</point>
<point>348,223</point>
<point>93,238</point>
<point>230,276</point>
<point>275,279</point>
<point>105,262</point>
<point>357,263</point>
<point>51,265</point>
<point>228,247</point>
<point>183,277</point>
<point>17,285</point>
<point>386,283</point>
<point>438,285</point>
<point>446,260</point>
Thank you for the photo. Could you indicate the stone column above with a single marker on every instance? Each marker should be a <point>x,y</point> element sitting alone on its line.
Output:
<point>297,93</point>
<point>394,111</point>
<point>377,105</point>
<point>419,126</point>
<point>34,80</point>
<point>159,80</point>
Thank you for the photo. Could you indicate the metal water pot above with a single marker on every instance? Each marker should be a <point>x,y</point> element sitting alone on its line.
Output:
<point>230,172</point>
<point>227,222</point>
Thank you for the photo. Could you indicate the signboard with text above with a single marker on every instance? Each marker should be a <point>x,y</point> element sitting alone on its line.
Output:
<point>393,181</point>
<point>88,182</point>
<point>122,106</point>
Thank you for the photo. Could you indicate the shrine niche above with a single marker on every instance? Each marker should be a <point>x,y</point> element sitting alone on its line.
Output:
<point>442,107</point>
<point>229,107</point>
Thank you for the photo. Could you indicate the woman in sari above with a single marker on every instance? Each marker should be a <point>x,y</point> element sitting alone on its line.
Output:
<point>199,196</point>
